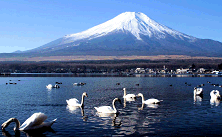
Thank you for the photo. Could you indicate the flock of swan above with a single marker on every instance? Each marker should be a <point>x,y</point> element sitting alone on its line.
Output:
<point>214,96</point>
<point>37,120</point>
<point>73,102</point>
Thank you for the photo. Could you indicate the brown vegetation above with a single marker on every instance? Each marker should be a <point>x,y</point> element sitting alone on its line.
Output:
<point>83,58</point>
<point>91,64</point>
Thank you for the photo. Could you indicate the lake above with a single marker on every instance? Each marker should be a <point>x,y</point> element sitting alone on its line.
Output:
<point>177,115</point>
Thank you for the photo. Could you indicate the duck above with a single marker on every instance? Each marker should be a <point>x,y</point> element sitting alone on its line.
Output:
<point>79,84</point>
<point>36,121</point>
<point>75,102</point>
<point>129,96</point>
<point>108,109</point>
<point>149,101</point>
<point>198,91</point>
<point>56,86</point>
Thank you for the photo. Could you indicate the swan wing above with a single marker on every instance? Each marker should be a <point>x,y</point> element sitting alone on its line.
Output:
<point>35,120</point>
<point>105,109</point>
<point>130,96</point>
<point>73,102</point>
<point>129,99</point>
<point>199,91</point>
<point>152,101</point>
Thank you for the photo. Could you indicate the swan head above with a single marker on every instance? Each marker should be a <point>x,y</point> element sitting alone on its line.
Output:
<point>124,89</point>
<point>85,94</point>
<point>6,123</point>
<point>117,99</point>
<point>215,93</point>
<point>139,95</point>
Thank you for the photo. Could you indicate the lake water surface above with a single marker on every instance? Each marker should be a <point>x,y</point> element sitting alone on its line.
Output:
<point>177,115</point>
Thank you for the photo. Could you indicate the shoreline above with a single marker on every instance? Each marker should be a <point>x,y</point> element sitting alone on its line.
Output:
<point>104,75</point>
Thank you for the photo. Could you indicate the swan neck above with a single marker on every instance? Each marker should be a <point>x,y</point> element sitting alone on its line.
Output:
<point>124,92</point>
<point>142,98</point>
<point>82,101</point>
<point>114,105</point>
<point>17,123</point>
<point>141,108</point>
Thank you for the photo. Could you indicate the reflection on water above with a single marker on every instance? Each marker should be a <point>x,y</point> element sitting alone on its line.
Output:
<point>74,109</point>
<point>180,114</point>
<point>130,100</point>
<point>215,102</point>
<point>33,133</point>
<point>197,99</point>
<point>148,105</point>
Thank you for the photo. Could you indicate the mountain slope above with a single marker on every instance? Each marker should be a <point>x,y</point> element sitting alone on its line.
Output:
<point>130,33</point>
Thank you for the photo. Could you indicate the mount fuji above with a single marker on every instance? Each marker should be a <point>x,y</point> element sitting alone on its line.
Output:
<point>130,33</point>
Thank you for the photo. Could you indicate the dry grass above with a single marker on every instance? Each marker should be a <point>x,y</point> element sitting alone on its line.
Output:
<point>82,58</point>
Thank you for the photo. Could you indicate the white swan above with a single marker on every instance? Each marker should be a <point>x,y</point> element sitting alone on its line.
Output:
<point>215,94</point>
<point>75,103</point>
<point>198,91</point>
<point>49,86</point>
<point>148,105</point>
<point>215,97</point>
<point>129,97</point>
<point>149,101</point>
<point>108,109</point>
<point>36,121</point>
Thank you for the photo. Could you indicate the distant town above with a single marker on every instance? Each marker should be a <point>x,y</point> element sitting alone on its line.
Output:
<point>115,67</point>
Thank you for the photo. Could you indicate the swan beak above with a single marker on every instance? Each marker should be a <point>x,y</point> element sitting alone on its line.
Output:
<point>4,125</point>
<point>137,96</point>
<point>219,97</point>
<point>86,94</point>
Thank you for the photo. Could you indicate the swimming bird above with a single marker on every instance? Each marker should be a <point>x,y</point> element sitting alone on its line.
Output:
<point>79,84</point>
<point>75,103</point>
<point>128,96</point>
<point>215,97</point>
<point>215,94</point>
<point>108,109</point>
<point>149,101</point>
<point>49,86</point>
<point>56,86</point>
<point>36,121</point>
<point>198,91</point>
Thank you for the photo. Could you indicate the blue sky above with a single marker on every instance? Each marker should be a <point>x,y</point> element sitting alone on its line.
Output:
<point>27,24</point>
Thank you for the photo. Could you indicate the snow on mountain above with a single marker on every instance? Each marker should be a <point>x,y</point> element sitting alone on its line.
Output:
<point>136,23</point>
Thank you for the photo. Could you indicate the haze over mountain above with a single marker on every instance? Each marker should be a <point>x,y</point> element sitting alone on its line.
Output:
<point>130,33</point>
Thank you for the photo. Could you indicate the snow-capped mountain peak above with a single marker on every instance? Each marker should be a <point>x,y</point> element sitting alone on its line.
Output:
<point>136,23</point>
<point>130,33</point>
